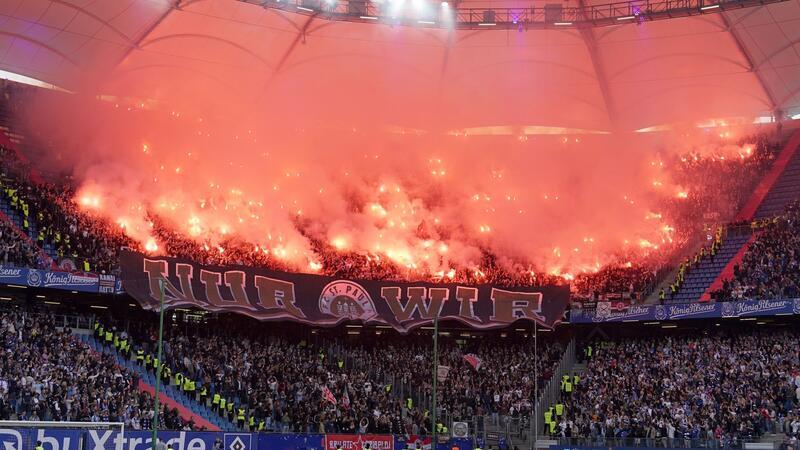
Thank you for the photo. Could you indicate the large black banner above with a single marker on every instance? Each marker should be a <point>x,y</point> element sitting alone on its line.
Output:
<point>321,300</point>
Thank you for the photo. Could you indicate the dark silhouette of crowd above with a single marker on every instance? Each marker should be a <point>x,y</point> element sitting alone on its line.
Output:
<point>341,264</point>
<point>770,268</point>
<point>663,391</point>
<point>47,374</point>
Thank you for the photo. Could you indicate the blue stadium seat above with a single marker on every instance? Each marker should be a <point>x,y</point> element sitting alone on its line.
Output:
<point>169,390</point>
<point>785,189</point>
<point>700,277</point>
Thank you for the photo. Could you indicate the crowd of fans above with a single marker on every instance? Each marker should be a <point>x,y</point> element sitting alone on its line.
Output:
<point>717,186</point>
<point>338,263</point>
<point>722,386</point>
<point>15,250</point>
<point>626,282</point>
<point>705,177</point>
<point>375,385</point>
<point>504,385</point>
<point>662,390</point>
<point>771,265</point>
<point>50,216</point>
<point>706,252</point>
<point>47,374</point>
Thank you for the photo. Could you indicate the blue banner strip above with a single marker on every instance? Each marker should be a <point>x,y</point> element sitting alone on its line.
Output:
<point>92,283</point>
<point>681,311</point>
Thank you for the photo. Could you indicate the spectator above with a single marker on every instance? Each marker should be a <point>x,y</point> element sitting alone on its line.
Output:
<point>49,375</point>
<point>377,387</point>
<point>720,386</point>
<point>771,266</point>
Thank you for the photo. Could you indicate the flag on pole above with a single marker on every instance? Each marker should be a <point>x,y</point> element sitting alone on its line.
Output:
<point>473,360</point>
<point>327,395</point>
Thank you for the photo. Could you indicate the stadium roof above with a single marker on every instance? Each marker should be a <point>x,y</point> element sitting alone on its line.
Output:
<point>741,63</point>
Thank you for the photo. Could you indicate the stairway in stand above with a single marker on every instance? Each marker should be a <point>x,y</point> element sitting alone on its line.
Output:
<point>170,390</point>
<point>700,277</point>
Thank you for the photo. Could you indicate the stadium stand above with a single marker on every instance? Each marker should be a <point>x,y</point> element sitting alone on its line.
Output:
<point>119,348</point>
<point>234,376</point>
<point>48,215</point>
<point>328,205</point>
<point>771,266</point>
<point>694,389</point>
<point>69,238</point>
<point>16,250</point>
<point>64,233</point>
<point>785,189</point>
<point>779,187</point>
<point>248,379</point>
<point>702,274</point>
<point>764,186</point>
<point>53,376</point>
<point>73,240</point>
<point>683,391</point>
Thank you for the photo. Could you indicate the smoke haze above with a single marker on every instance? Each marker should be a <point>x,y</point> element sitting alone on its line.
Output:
<point>428,200</point>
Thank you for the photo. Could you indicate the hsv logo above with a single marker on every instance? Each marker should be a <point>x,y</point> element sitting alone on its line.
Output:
<point>237,441</point>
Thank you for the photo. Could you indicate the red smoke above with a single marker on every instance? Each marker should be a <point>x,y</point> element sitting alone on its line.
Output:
<point>426,200</point>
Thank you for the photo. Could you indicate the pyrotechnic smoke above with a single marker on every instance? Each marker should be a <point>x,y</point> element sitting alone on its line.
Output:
<point>428,201</point>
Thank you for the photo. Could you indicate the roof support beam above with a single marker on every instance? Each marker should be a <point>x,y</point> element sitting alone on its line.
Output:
<point>299,38</point>
<point>753,67</point>
<point>448,45</point>
<point>41,44</point>
<point>777,52</point>
<point>587,33</point>
<point>135,44</point>
<point>88,13</point>
<point>790,95</point>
